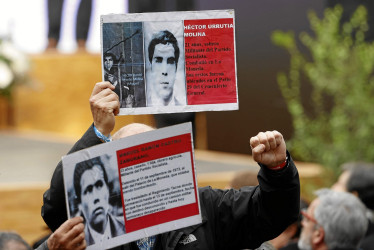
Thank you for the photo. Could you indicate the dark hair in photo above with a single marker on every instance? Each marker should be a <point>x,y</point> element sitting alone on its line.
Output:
<point>163,37</point>
<point>80,168</point>
<point>111,55</point>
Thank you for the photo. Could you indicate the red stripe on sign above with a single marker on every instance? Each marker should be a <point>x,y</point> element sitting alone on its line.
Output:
<point>162,217</point>
<point>154,150</point>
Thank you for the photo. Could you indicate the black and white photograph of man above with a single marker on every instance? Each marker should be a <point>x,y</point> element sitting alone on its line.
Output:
<point>123,64</point>
<point>165,75</point>
<point>92,192</point>
<point>111,72</point>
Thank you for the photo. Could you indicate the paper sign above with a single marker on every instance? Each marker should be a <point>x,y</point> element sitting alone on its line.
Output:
<point>135,187</point>
<point>171,62</point>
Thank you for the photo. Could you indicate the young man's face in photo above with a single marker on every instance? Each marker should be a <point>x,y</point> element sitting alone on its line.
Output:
<point>94,197</point>
<point>108,62</point>
<point>164,70</point>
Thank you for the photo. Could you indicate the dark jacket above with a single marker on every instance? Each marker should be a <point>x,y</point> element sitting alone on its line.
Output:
<point>232,219</point>
<point>368,242</point>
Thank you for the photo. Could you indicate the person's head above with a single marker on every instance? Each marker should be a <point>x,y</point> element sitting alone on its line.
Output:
<point>341,183</point>
<point>242,179</point>
<point>163,54</point>
<point>131,129</point>
<point>92,192</point>
<point>358,178</point>
<point>129,101</point>
<point>10,240</point>
<point>109,59</point>
<point>334,219</point>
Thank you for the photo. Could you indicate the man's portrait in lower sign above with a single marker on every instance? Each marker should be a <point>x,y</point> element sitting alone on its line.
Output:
<point>94,194</point>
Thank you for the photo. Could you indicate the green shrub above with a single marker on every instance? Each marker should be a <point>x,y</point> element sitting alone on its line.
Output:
<point>337,64</point>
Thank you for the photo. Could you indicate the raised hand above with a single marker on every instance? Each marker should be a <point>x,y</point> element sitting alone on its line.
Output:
<point>70,235</point>
<point>268,148</point>
<point>104,107</point>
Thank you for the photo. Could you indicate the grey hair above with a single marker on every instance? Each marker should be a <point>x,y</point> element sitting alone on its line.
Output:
<point>7,237</point>
<point>343,218</point>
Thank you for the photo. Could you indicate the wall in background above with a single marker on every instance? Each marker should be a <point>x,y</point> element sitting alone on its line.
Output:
<point>261,105</point>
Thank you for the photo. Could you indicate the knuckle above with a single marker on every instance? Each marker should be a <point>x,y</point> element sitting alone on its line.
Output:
<point>254,140</point>
<point>80,237</point>
<point>84,244</point>
<point>277,133</point>
<point>269,134</point>
<point>92,100</point>
<point>100,105</point>
<point>53,237</point>
<point>76,229</point>
<point>69,223</point>
<point>80,226</point>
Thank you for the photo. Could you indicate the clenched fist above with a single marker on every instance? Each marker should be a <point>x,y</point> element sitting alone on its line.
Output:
<point>269,148</point>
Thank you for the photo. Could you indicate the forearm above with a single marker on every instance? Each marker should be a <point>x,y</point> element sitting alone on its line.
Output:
<point>280,196</point>
<point>256,214</point>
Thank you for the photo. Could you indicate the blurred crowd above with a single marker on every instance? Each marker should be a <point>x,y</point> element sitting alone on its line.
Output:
<point>340,217</point>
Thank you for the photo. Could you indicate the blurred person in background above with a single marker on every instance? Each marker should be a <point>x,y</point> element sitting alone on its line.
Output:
<point>334,221</point>
<point>243,178</point>
<point>358,178</point>
<point>55,11</point>
<point>12,241</point>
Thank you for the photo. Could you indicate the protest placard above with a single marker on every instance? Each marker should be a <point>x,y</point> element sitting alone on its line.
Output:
<point>171,61</point>
<point>134,187</point>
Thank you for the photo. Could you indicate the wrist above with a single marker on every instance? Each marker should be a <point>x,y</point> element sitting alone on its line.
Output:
<point>279,166</point>
<point>105,130</point>
<point>102,137</point>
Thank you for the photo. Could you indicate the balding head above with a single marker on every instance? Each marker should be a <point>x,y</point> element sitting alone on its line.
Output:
<point>131,129</point>
<point>10,240</point>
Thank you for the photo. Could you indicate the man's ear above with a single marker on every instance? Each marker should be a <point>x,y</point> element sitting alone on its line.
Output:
<point>318,236</point>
